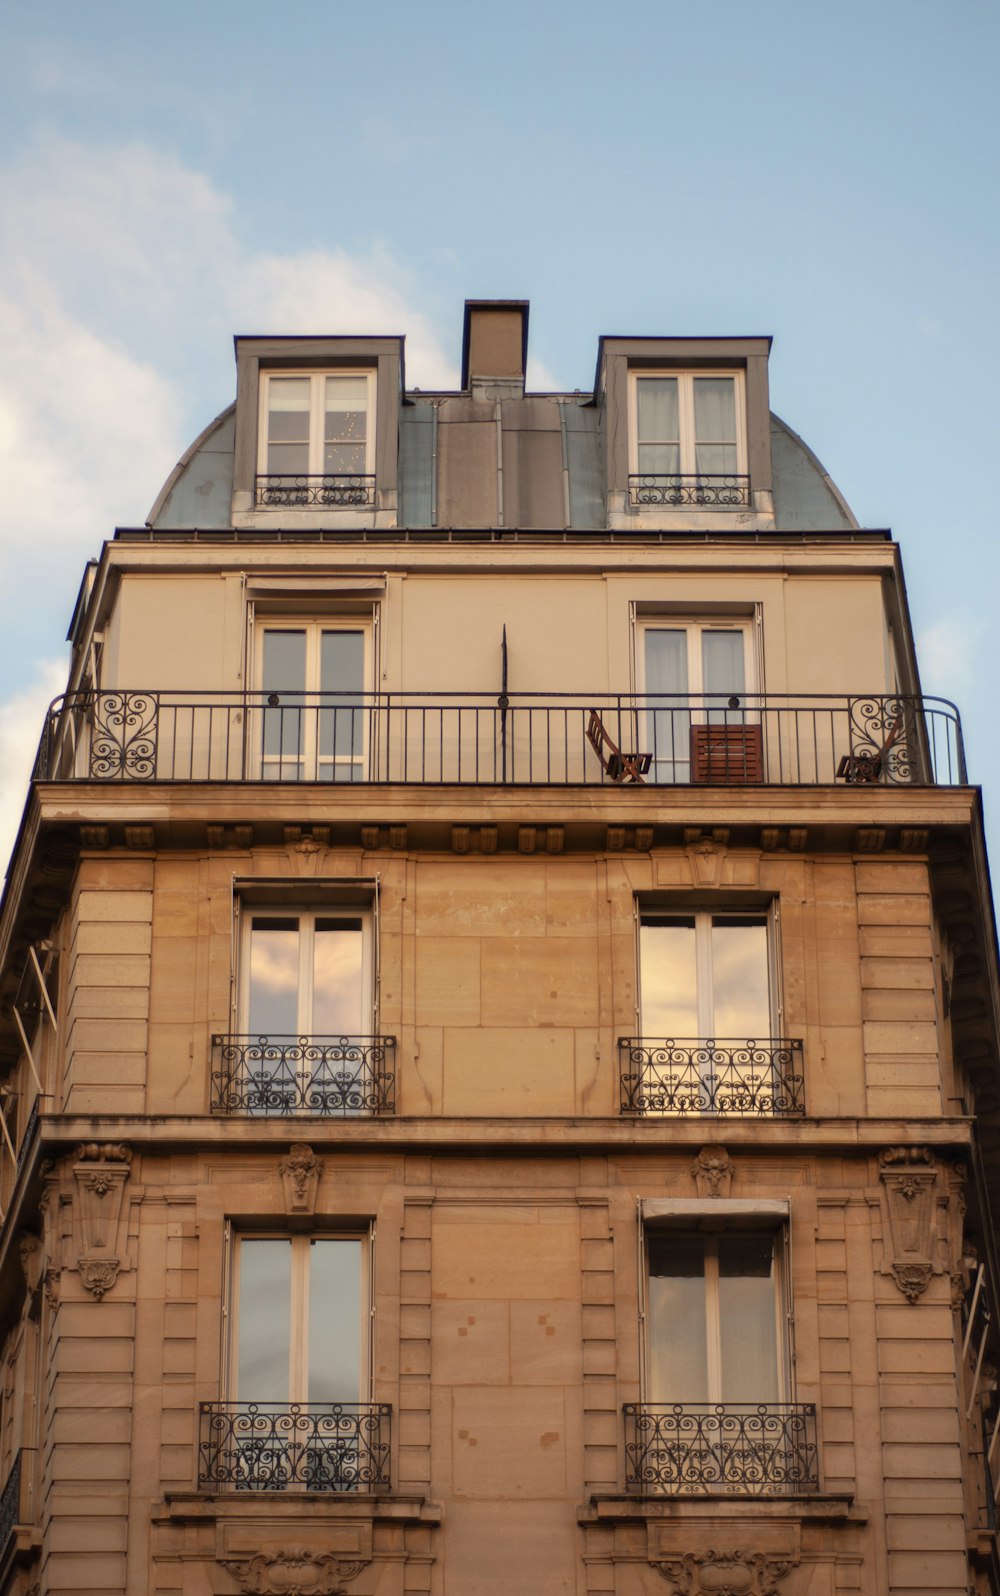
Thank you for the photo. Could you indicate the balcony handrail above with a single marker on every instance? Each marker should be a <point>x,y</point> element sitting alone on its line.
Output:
<point>690,1077</point>
<point>340,1447</point>
<point>721,1448</point>
<point>474,738</point>
<point>279,1076</point>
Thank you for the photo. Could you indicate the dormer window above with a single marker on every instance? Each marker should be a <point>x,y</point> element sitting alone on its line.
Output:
<point>316,435</point>
<point>687,434</point>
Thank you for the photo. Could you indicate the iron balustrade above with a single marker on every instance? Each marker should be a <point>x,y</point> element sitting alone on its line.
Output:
<point>25,1142</point>
<point>525,739</point>
<point>330,1076</point>
<point>10,1505</point>
<point>730,1449</point>
<point>265,1446</point>
<point>330,490</point>
<point>685,1077</point>
<point>701,490</point>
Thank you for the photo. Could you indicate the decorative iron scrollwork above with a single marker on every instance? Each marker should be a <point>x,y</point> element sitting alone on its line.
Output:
<point>708,1077</point>
<point>702,491</point>
<point>123,736</point>
<point>735,1449</point>
<point>284,1076</point>
<point>883,742</point>
<point>264,1446</point>
<point>339,490</point>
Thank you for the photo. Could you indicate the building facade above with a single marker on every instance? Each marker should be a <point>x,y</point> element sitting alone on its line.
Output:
<point>498,1009</point>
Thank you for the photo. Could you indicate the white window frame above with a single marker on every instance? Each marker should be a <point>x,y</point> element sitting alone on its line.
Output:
<point>298,1308</point>
<point>307,916</point>
<point>673,764</point>
<point>317,408</point>
<point>686,422</point>
<point>703,917</point>
<point>707,1224</point>
<point>309,759</point>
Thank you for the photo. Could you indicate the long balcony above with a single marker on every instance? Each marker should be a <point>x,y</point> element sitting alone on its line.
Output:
<point>528,739</point>
<point>333,1077</point>
<point>723,1449</point>
<point>291,1446</point>
<point>689,1078</point>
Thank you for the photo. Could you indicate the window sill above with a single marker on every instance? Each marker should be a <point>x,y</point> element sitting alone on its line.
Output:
<point>399,1507</point>
<point>824,1507</point>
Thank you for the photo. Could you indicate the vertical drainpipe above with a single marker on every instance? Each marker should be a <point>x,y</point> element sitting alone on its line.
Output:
<point>567,519</point>
<point>434,464</point>
<point>499,427</point>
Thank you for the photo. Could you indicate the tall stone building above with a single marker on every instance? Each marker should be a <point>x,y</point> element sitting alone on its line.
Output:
<point>499,1015</point>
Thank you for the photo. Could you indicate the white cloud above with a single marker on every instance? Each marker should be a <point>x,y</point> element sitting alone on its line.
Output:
<point>21,719</point>
<point>947,650</point>
<point>123,278</point>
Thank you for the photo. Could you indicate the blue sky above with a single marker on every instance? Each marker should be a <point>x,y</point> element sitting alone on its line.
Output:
<point>170,175</point>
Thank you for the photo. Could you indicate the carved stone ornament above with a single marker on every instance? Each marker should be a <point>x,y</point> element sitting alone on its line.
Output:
<point>296,1572</point>
<point>101,1171</point>
<point>712,1172</point>
<point>706,859</point>
<point>909,1177</point>
<point>32,1260</point>
<point>300,1172</point>
<point>725,1573</point>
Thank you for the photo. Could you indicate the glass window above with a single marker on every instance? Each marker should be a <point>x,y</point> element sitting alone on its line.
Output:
<point>312,717</point>
<point>307,975</point>
<point>715,1318</point>
<point>687,425</point>
<point>705,975</point>
<point>690,674</point>
<point>316,424</point>
<point>300,1326</point>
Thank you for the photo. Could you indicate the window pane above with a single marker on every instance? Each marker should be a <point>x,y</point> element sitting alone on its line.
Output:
<point>668,730</point>
<point>740,985</point>
<point>660,459</point>
<point>657,408</point>
<point>722,658</point>
<point>667,978</point>
<point>345,424</point>
<point>678,1351</point>
<point>341,730</point>
<point>334,1321</point>
<point>714,410</point>
<point>264,1345</point>
<point>288,424</point>
<point>337,1006</point>
<point>715,459</point>
<point>274,977</point>
<point>284,661</point>
<point>747,1319</point>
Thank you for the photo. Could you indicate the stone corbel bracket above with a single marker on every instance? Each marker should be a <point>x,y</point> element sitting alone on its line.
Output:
<point>300,1172</point>
<point>909,1176</point>
<point>100,1171</point>
<point>296,1572</point>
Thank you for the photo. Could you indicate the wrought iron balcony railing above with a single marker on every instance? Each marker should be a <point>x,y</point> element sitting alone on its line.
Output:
<point>729,1449</point>
<point>331,1076</point>
<point>523,739</point>
<point>266,1446</point>
<point>333,490</point>
<point>10,1505</point>
<point>16,1510</point>
<point>710,1077</point>
<point>700,491</point>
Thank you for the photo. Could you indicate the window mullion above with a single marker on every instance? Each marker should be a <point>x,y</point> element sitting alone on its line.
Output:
<point>713,1326</point>
<point>685,394</point>
<point>298,1373</point>
<point>704,975</point>
<point>317,395</point>
<point>307,961</point>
